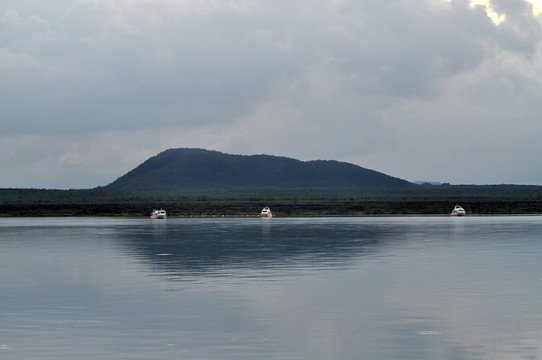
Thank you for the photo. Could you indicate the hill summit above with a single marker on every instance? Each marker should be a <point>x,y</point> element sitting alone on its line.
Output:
<point>183,168</point>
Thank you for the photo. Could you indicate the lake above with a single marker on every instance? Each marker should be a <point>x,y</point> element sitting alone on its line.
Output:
<point>281,288</point>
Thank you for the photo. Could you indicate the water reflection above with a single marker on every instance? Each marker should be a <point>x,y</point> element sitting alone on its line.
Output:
<point>191,247</point>
<point>334,288</point>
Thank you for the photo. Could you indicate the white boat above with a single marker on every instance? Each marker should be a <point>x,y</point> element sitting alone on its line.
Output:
<point>266,212</point>
<point>458,211</point>
<point>158,214</point>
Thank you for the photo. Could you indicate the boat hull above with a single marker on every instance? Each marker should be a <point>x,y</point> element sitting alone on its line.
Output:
<point>266,213</point>
<point>458,211</point>
<point>158,214</point>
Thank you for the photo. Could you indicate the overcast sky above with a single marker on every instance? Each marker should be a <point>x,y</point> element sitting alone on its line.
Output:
<point>431,90</point>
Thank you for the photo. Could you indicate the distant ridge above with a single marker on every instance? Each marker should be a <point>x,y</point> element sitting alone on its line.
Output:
<point>184,168</point>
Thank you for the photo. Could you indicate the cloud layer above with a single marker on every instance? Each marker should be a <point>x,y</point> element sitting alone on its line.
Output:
<point>431,90</point>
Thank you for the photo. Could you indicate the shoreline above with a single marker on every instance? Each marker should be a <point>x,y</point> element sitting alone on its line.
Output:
<point>280,208</point>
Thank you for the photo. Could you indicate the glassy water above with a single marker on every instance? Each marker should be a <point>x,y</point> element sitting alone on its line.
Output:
<point>248,288</point>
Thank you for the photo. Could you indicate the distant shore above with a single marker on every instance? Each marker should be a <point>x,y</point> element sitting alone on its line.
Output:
<point>420,200</point>
<point>282,208</point>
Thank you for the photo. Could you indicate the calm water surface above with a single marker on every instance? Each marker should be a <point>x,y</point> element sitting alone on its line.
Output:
<point>297,288</point>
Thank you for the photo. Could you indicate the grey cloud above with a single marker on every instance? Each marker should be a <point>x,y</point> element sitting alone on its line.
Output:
<point>347,69</point>
<point>17,31</point>
<point>205,68</point>
<point>197,72</point>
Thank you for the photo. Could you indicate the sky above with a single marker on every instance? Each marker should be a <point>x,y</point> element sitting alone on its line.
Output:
<point>430,90</point>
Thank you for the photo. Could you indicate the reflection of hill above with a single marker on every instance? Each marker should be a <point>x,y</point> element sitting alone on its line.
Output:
<point>178,249</point>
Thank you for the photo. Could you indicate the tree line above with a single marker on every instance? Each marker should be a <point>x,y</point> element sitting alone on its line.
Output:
<point>424,199</point>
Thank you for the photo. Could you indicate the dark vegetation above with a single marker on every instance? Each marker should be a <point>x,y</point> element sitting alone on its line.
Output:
<point>423,199</point>
<point>195,182</point>
<point>204,169</point>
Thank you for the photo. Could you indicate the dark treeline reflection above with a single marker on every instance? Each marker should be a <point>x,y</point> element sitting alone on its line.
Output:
<point>191,247</point>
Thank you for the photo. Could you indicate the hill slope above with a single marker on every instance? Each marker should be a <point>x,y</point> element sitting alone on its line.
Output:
<point>183,168</point>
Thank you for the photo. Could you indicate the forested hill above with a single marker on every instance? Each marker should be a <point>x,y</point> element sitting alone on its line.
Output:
<point>177,169</point>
